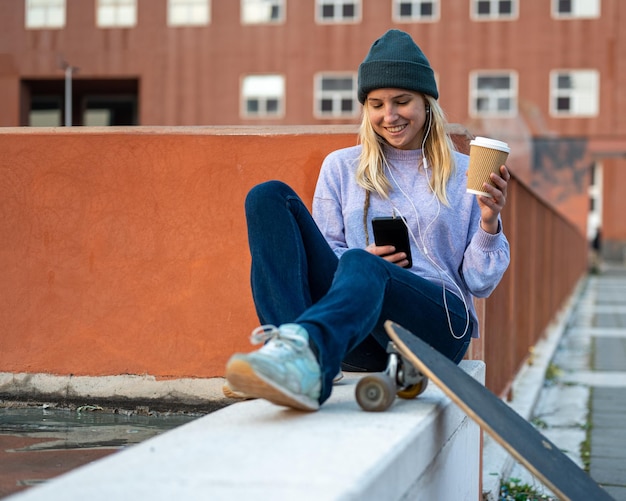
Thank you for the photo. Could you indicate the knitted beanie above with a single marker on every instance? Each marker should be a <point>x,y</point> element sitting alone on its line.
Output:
<point>395,61</point>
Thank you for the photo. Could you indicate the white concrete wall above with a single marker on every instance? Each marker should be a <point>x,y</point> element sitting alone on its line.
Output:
<point>423,449</point>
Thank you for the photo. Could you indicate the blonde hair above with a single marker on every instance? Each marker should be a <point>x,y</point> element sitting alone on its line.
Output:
<point>370,173</point>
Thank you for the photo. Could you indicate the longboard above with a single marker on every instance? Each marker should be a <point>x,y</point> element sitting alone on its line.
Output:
<point>525,443</point>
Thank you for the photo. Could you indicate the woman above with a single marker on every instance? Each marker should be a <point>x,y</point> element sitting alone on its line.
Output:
<point>323,281</point>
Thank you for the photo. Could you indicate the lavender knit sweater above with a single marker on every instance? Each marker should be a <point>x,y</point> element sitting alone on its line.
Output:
<point>447,244</point>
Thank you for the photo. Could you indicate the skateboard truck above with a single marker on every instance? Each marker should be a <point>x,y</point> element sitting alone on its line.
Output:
<point>376,392</point>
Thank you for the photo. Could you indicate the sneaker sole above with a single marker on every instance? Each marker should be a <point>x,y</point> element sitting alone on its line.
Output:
<point>235,395</point>
<point>243,378</point>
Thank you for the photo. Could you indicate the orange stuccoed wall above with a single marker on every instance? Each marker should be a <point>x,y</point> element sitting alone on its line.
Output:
<point>124,250</point>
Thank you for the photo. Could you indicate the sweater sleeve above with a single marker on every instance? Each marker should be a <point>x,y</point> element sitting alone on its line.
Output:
<point>485,260</point>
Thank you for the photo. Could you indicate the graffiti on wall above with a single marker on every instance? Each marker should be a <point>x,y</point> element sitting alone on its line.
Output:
<point>560,168</point>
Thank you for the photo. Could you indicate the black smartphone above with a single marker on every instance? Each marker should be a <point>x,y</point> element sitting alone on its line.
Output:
<point>393,231</point>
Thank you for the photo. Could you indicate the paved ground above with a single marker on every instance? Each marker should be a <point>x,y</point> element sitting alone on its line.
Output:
<point>583,403</point>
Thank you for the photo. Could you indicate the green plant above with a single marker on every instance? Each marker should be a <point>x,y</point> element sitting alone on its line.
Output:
<point>553,372</point>
<point>585,446</point>
<point>514,490</point>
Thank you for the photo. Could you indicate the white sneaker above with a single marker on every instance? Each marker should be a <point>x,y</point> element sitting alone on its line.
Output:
<point>284,371</point>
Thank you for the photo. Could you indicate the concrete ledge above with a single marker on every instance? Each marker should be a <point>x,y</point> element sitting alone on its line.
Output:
<point>202,394</point>
<point>424,448</point>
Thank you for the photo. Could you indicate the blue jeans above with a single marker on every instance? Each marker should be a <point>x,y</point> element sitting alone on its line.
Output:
<point>297,278</point>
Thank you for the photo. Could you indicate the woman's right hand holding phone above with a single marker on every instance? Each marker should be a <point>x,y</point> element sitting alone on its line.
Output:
<point>388,253</point>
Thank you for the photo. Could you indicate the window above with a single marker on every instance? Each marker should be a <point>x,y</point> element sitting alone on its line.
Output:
<point>576,8</point>
<point>574,93</point>
<point>116,13</point>
<point>493,94</point>
<point>93,102</point>
<point>594,218</point>
<point>188,12</point>
<point>415,10</point>
<point>338,11</point>
<point>262,11</point>
<point>46,111</point>
<point>335,96</point>
<point>263,96</point>
<point>489,10</point>
<point>41,14</point>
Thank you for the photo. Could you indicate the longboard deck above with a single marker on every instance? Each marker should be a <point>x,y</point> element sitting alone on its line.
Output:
<point>527,445</point>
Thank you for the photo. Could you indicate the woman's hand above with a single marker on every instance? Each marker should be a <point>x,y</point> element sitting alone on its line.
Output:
<point>388,253</point>
<point>490,208</point>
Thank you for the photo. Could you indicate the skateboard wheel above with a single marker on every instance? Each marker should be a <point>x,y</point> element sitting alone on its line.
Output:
<point>375,392</point>
<point>413,390</point>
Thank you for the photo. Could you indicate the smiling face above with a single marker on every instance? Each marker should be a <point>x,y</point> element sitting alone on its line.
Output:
<point>398,116</point>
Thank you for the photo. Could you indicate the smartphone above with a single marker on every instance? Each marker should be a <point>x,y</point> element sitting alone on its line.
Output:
<point>393,231</point>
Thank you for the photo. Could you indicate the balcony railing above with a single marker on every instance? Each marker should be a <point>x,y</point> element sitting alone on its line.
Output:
<point>548,258</point>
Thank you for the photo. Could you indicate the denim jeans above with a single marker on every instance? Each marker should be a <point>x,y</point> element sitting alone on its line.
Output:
<point>297,278</point>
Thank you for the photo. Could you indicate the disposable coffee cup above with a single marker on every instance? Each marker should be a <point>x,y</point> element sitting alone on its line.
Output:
<point>486,156</point>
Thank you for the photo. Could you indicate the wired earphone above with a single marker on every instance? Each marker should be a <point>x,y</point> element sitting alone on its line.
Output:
<point>441,271</point>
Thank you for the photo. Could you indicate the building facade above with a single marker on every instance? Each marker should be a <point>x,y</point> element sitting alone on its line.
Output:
<point>544,75</point>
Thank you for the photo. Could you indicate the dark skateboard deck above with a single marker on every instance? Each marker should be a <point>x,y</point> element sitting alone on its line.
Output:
<point>527,445</point>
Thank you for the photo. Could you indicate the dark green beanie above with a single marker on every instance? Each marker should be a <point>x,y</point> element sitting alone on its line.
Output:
<point>394,60</point>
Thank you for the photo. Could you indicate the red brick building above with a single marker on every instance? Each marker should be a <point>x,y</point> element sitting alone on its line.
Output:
<point>543,75</point>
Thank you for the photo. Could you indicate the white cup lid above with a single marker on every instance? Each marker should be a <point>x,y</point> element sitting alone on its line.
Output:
<point>490,143</point>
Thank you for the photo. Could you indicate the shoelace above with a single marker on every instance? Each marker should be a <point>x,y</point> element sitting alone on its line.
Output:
<point>267,332</point>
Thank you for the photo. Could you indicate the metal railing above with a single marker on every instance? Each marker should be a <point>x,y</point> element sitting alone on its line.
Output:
<point>548,258</point>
